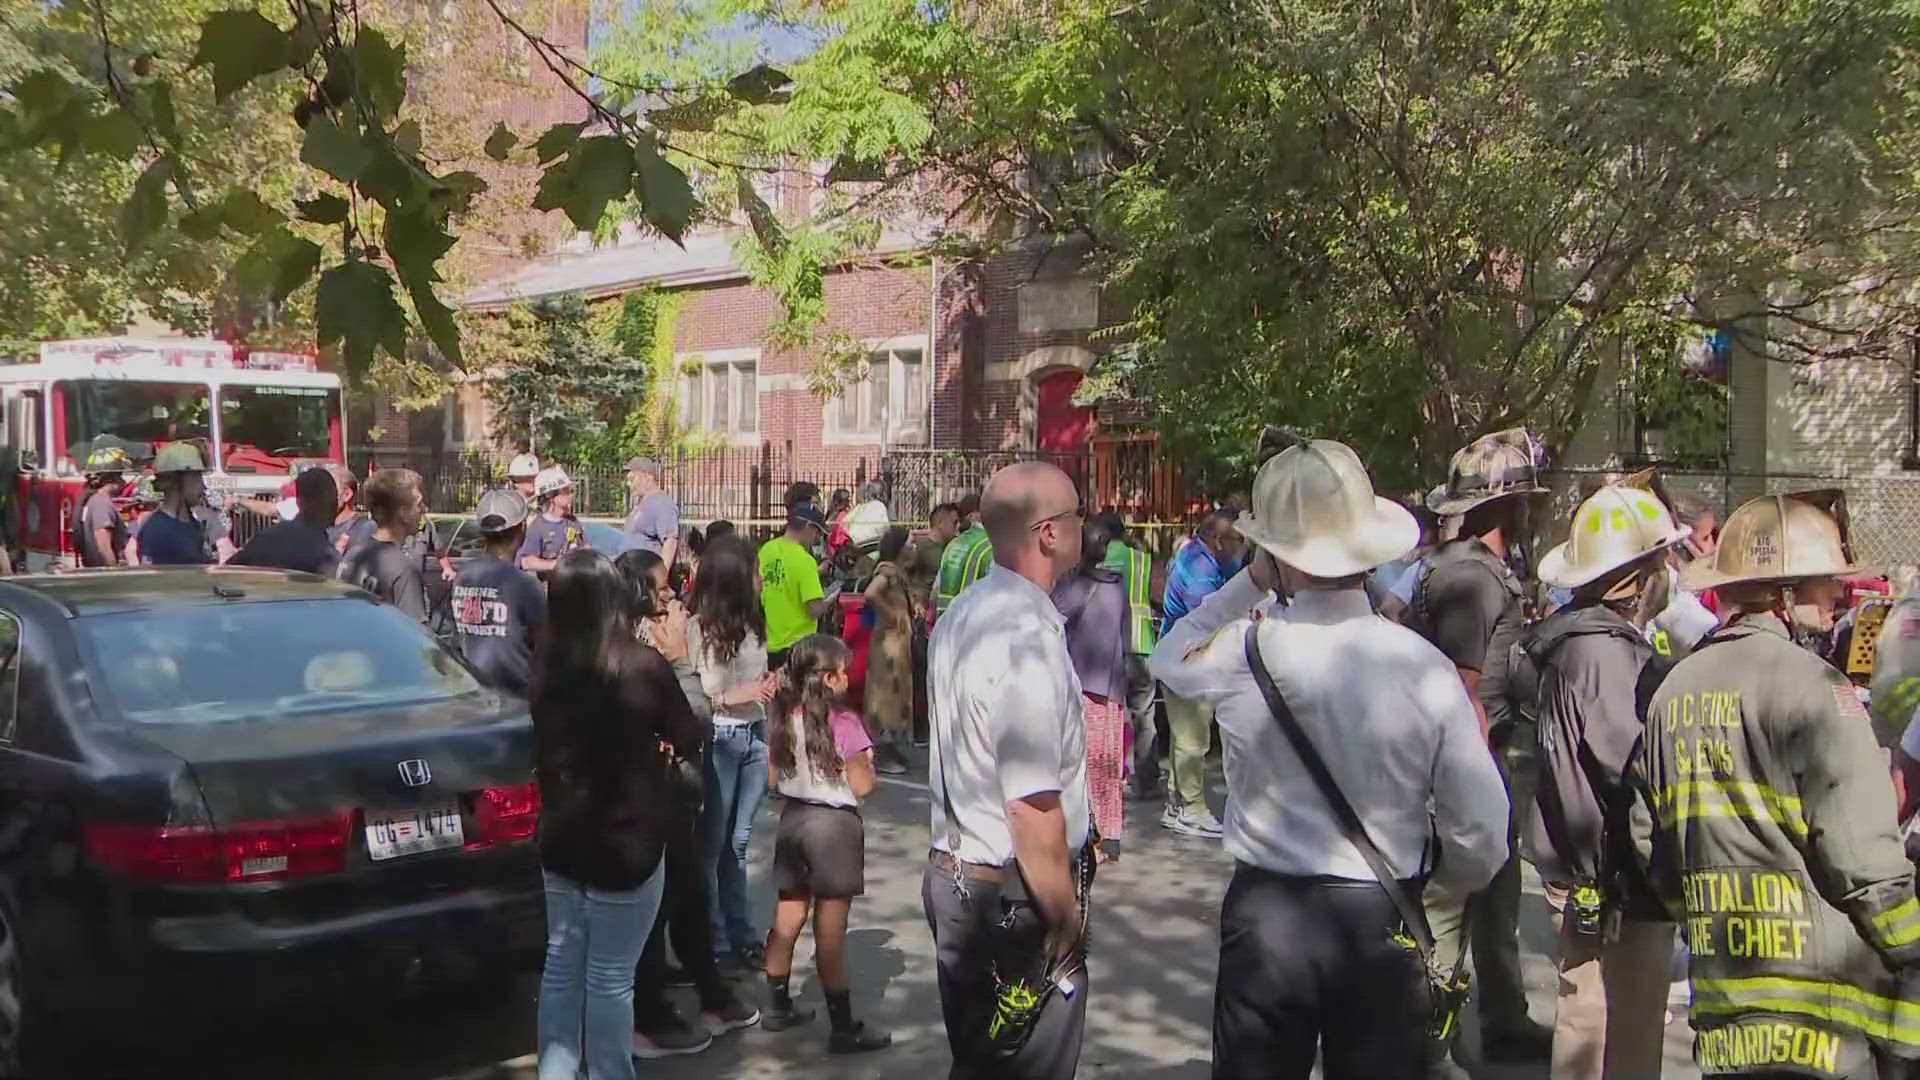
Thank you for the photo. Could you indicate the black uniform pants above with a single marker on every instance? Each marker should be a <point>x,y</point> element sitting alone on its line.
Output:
<point>1310,965</point>
<point>683,914</point>
<point>967,935</point>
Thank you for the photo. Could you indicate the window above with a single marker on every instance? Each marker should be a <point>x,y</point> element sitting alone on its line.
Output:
<point>263,429</point>
<point>721,392</point>
<point>886,399</point>
<point>467,418</point>
<point>9,675</point>
<point>276,659</point>
<point>131,415</point>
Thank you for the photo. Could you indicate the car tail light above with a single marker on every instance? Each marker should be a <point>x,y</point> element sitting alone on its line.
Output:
<point>505,814</point>
<point>249,851</point>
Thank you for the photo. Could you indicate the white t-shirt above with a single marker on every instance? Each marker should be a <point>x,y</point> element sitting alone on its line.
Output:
<point>1006,715</point>
<point>867,521</point>
<point>749,664</point>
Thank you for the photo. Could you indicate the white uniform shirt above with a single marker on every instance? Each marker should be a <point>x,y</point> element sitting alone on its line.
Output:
<point>1384,708</point>
<point>1005,711</point>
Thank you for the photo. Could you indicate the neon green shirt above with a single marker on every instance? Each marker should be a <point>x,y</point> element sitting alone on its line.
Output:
<point>789,578</point>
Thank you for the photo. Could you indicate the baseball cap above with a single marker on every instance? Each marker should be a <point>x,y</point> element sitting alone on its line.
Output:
<point>501,509</point>
<point>807,514</point>
<point>643,464</point>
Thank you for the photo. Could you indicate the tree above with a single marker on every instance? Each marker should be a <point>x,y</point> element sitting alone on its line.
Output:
<point>370,211</point>
<point>1400,224</point>
<point>559,384</point>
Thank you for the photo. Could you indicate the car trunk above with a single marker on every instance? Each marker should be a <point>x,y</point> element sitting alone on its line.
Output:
<point>414,789</point>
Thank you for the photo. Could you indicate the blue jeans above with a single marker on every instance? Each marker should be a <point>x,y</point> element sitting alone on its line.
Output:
<point>594,938</point>
<point>736,782</point>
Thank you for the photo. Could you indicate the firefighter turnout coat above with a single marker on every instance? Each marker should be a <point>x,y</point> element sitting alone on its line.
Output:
<point>1765,819</point>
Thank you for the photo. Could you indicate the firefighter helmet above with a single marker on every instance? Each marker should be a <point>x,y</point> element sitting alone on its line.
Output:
<point>1616,527</point>
<point>1491,467</point>
<point>179,457</point>
<point>551,479</point>
<point>1785,538</point>
<point>108,459</point>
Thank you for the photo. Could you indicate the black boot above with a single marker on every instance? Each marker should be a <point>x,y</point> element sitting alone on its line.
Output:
<point>781,1014</point>
<point>849,1035</point>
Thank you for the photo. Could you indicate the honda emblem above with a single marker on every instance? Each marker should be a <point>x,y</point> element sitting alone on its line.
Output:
<point>414,773</point>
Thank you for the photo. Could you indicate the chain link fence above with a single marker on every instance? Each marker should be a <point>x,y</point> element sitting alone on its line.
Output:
<point>1883,511</point>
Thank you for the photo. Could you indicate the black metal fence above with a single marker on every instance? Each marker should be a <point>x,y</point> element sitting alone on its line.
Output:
<point>750,484</point>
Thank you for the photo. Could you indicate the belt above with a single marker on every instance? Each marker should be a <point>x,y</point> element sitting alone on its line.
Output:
<point>945,863</point>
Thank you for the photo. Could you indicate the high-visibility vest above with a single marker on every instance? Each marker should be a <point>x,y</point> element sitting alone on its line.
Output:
<point>965,561</point>
<point>1136,567</point>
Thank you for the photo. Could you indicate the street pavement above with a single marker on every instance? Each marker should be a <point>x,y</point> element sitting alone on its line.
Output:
<point>1154,944</point>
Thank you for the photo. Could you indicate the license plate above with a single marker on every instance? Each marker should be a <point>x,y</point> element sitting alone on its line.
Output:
<point>411,832</point>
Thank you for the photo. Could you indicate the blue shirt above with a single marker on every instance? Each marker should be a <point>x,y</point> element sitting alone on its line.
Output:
<point>548,538</point>
<point>167,541</point>
<point>654,522</point>
<point>1192,576</point>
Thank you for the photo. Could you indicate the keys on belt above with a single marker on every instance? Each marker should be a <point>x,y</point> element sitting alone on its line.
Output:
<point>947,864</point>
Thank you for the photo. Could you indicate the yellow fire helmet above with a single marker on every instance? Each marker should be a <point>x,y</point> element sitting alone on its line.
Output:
<point>1616,526</point>
<point>1787,537</point>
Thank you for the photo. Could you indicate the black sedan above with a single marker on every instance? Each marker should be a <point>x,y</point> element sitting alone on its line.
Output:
<point>228,789</point>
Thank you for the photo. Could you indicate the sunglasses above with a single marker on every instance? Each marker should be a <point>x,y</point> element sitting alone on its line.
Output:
<point>1079,511</point>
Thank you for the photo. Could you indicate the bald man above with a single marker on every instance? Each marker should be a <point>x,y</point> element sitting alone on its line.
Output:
<point>1005,882</point>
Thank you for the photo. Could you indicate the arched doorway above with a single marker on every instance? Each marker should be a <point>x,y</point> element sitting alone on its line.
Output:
<point>1060,426</point>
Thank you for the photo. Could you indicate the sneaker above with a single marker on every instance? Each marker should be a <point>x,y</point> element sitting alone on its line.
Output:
<point>1206,823</point>
<point>732,1016</point>
<point>776,1019</point>
<point>858,1039</point>
<point>670,1039</point>
<point>1199,823</point>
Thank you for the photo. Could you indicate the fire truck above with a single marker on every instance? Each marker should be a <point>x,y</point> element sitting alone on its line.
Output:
<point>257,416</point>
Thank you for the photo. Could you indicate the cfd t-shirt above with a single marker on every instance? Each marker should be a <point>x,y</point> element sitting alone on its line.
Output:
<point>496,607</point>
<point>789,579</point>
<point>389,572</point>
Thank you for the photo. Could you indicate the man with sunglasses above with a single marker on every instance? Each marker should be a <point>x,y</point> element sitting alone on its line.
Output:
<point>1005,880</point>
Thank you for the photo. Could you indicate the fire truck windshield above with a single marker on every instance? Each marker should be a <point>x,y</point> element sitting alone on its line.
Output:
<point>131,415</point>
<point>265,428</point>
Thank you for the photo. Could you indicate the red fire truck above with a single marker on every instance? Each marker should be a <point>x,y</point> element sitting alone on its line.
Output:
<point>258,416</point>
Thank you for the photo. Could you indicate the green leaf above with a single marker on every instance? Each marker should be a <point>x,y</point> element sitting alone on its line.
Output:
<point>146,208</point>
<point>406,139</point>
<point>501,142</point>
<point>760,216</point>
<point>245,213</point>
<point>458,190</point>
<point>241,46</point>
<point>556,140</point>
<point>115,134</point>
<point>600,170</point>
<point>276,264</point>
<point>355,307</point>
<point>666,195</point>
<point>393,181</point>
<point>761,84</point>
<point>203,223</point>
<point>415,243</point>
<point>322,209</point>
<point>164,123</point>
<point>333,151</point>
<point>699,114</point>
<point>382,69</point>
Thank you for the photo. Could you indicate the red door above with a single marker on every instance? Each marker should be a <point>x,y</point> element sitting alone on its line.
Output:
<point>1060,426</point>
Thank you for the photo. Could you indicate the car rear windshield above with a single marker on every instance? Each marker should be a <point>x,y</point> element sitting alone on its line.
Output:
<point>262,660</point>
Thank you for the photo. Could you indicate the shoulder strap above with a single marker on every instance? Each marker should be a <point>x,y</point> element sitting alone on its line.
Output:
<point>1356,830</point>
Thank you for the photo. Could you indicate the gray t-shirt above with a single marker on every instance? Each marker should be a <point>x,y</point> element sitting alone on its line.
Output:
<point>655,521</point>
<point>551,539</point>
<point>389,572</point>
<point>496,608</point>
<point>98,512</point>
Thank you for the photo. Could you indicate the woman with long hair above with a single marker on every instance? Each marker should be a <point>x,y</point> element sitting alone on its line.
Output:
<point>658,1028</point>
<point>888,696</point>
<point>727,640</point>
<point>605,710</point>
<point>1093,601</point>
<point>822,762</point>
<point>838,507</point>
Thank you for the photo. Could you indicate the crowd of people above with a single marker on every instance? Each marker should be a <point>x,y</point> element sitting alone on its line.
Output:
<point>1409,707</point>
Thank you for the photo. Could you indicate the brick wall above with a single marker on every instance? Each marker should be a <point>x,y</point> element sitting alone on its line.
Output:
<point>869,304</point>
<point>1001,414</point>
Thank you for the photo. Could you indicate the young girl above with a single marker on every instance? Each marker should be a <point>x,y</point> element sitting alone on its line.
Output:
<point>821,760</point>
